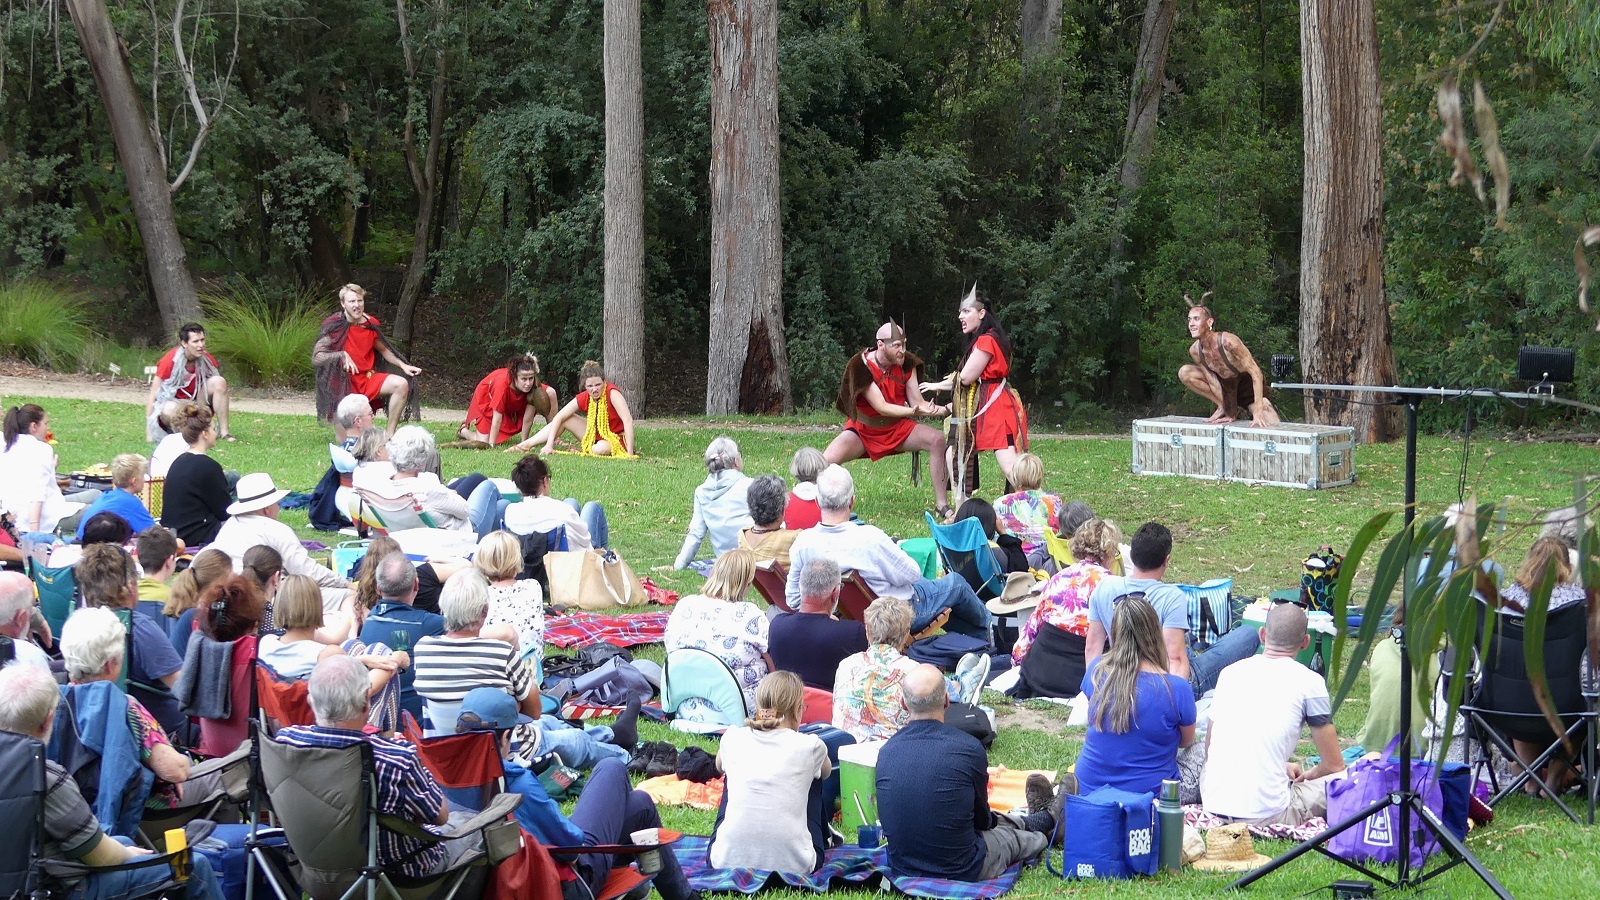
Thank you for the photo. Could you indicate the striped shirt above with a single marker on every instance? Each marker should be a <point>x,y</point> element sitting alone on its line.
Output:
<point>405,790</point>
<point>447,668</point>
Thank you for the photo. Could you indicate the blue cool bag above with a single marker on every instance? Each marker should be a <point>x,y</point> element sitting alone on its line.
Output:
<point>1109,834</point>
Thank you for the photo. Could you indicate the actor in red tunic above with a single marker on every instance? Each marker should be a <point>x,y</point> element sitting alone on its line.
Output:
<point>990,415</point>
<point>880,397</point>
<point>506,400</point>
<point>345,358</point>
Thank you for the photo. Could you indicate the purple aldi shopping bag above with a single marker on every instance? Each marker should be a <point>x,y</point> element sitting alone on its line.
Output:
<point>1378,837</point>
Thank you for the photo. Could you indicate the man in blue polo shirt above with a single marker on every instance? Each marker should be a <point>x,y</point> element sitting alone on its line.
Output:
<point>395,622</point>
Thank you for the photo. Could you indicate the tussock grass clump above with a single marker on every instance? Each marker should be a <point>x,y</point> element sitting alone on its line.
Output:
<point>44,324</point>
<point>265,337</point>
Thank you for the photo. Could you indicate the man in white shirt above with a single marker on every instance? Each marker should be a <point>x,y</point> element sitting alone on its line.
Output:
<point>1150,551</point>
<point>886,569</point>
<point>16,618</point>
<point>1256,715</point>
<point>253,519</point>
<point>540,513</point>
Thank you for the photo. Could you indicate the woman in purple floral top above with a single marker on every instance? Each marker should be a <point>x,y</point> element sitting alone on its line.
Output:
<point>1064,601</point>
<point>1029,512</point>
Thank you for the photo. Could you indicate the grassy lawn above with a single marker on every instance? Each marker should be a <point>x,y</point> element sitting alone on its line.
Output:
<point>1256,535</point>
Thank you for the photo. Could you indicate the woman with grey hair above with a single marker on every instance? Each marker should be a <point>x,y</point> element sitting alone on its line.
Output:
<point>721,505</point>
<point>867,701</point>
<point>94,644</point>
<point>802,511</point>
<point>471,503</point>
<point>766,537</point>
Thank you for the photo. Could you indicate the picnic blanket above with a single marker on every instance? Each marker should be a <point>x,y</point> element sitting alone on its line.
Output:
<point>670,790</point>
<point>575,629</point>
<point>1194,815</point>
<point>1008,787</point>
<point>850,864</point>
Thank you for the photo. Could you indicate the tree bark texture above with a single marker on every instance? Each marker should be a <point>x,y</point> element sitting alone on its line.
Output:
<point>623,330</point>
<point>749,361</point>
<point>142,165</point>
<point>1040,27</point>
<point>424,175</point>
<point>1138,143</point>
<point>1344,315</point>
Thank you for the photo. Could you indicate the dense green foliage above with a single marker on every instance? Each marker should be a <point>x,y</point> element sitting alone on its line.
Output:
<point>267,338</point>
<point>43,325</point>
<point>920,154</point>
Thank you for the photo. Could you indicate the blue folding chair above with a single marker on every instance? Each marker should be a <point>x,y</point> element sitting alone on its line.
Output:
<point>58,592</point>
<point>965,549</point>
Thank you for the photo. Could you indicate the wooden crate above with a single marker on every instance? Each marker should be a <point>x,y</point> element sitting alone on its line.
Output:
<point>1290,455</point>
<point>1177,445</point>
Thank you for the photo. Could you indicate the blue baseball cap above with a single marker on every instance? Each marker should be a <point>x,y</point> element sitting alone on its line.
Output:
<point>488,708</point>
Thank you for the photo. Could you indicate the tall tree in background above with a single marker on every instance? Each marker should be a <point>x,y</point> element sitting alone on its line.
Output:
<point>623,331</point>
<point>749,361</point>
<point>143,165</point>
<point>1138,142</point>
<point>1344,315</point>
<point>423,165</point>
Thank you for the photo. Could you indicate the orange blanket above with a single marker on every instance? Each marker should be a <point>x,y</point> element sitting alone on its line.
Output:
<point>674,791</point>
<point>1007,787</point>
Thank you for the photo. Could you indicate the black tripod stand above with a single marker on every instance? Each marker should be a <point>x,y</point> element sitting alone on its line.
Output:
<point>1407,799</point>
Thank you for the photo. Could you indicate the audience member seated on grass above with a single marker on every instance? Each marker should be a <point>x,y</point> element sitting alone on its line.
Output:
<point>28,486</point>
<point>1151,553</point>
<point>253,519</point>
<point>101,528</point>
<point>16,619</point>
<point>721,621</point>
<point>395,623</point>
<point>540,513</point>
<point>721,507</point>
<point>431,575</point>
<point>812,641</point>
<point>772,816</point>
<point>195,500</point>
<point>127,480</point>
<point>337,689</point>
<point>157,552</point>
<point>169,447</point>
<point>766,537</point>
<point>351,418</point>
<point>1139,714</point>
<point>516,608</point>
<point>933,796</point>
<point>107,577</point>
<point>867,689</point>
<point>608,811</point>
<point>1072,517</point>
<point>802,511</point>
<point>28,700</point>
<point>1029,512</point>
<point>606,427</point>
<point>887,570</point>
<point>297,651</point>
<point>208,567</point>
<point>469,504</point>
<point>449,666</point>
<point>93,643</point>
<point>1064,599</point>
<point>1256,716</point>
<point>1005,548</point>
<point>187,374</point>
<point>1383,697</point>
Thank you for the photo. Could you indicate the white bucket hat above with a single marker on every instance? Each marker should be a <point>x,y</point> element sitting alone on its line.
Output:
<point>255,492</point>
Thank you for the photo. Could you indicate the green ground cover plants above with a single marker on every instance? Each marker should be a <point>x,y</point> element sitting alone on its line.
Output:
<point>1256,535</point>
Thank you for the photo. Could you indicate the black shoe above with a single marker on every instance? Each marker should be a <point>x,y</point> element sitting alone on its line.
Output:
<point>663,760</point>
<point>640,759</point>
<point>1039,792</point>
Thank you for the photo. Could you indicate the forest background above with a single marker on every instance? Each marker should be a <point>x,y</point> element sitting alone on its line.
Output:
<point>925,146</point>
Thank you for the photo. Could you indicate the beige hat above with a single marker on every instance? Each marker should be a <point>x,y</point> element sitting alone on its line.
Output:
<point>1021,592</point>
<point>1229,849</point>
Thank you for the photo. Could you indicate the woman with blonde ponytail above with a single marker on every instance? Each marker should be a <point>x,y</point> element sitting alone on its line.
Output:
<point>208,567</point>
<point>774,818</point>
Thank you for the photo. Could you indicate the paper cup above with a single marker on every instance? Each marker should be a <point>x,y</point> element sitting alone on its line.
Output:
<point>646,837</point>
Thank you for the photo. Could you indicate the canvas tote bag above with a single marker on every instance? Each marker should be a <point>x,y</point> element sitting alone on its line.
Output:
<point>592,579</point>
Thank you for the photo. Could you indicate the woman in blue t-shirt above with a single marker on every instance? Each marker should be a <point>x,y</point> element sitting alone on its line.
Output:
<point>1139,714</point>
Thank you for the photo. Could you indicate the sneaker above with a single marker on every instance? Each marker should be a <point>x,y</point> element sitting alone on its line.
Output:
<point>663,760</point>
<point>1039,792</point>
<point>972,671</point>
<point>1068,786</point>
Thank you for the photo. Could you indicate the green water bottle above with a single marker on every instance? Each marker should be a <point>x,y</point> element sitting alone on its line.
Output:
<point>1169,820</point>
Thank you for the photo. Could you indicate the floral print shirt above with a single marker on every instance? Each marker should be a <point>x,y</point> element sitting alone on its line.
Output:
<point>1027,514</point>
<point>867,696</point>
<point>1063,602</point>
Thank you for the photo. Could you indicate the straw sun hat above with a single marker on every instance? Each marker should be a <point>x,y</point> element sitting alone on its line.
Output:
<point>1229,849</point>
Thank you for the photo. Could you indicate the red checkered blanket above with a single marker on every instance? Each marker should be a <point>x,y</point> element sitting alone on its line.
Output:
<point>580,628</point>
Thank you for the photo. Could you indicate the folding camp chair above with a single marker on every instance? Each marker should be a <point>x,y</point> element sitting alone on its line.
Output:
<point>22,797</point>
<point>58,592</point>
<point>691,672</point>
<point>327,801</point>
<point>468,767</point>
<point>965,549</point>
<point>282,702</point>
<point>1502,705</point>
<point>219,737</point>
<point>854,596</point>
<point>771,583</point>
<point>1059,548</point>
<point>388,514</point>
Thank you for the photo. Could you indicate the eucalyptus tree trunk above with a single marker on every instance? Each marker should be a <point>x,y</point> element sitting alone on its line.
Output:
<point>1138,143</point>
<point>1040,27</point>
<point>423,167</point>
<point>749,361</point>
<point>624,223</point>
<point>142,165</point>
<point>1344,315</point>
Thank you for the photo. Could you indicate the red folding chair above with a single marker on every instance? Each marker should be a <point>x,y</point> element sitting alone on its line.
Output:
<point>771,583</point>
<point>282,702</point>
<point>854,596</point>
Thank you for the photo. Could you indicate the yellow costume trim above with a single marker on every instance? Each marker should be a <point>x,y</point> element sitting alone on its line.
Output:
<point>597,427</point>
